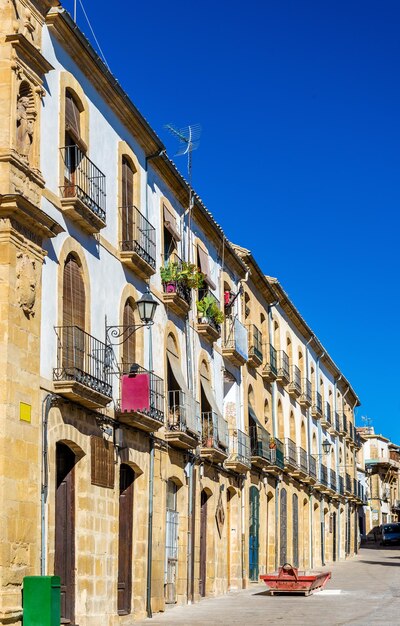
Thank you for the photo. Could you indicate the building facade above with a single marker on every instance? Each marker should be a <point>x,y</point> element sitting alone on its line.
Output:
<point>145,464</point>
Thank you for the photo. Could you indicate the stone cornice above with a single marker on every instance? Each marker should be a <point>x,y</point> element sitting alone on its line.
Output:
<point>27,50</point>
<point>36,222</point>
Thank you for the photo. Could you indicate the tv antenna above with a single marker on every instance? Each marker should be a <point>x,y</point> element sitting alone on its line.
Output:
<point>189,140</point>
<point>367,421</point>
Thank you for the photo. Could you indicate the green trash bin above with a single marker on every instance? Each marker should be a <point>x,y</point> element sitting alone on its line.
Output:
<point>41,601</point>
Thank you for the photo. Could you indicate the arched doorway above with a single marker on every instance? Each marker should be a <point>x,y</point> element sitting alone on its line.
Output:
<point>254,530</point>
<point>64,557</point>
<point>125,539</point>
<point>283,527</point>
<point>334,540</point>
<point>203,543</point>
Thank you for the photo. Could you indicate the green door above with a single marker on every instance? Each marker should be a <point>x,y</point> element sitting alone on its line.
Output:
<point>254,532</point>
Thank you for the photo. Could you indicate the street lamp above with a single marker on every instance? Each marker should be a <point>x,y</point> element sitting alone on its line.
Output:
<point>326,446</point>
<point>146,306</point>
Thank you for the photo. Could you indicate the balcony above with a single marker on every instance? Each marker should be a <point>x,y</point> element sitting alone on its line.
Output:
<point>177,295</point>
<point>214,439</point>
<point>312,469</point>
<point>326,419</point>
<point>138,249</point>
<point>270,369</point>
<point>255,346</point>
<point>316,408</point>
<point>283,372</point>
<point>83,372</point>
<point>323,482</point>
<point>302,464</point>
<point>290,456</point>
<point>83,195</point>
<point>349,434</point>
<point>183,423</point>
<point>342,424</point>
<point>208,326</point>
<point>239,452</point>
<point>142,401</point>
<point>234,344</point>
<point>347,485</point>
<point>267,453</point>
<point>294,388</point>
<point>334,427</point>
<point>340,485</point>
<point>305,399</point>
<point>333,480</point>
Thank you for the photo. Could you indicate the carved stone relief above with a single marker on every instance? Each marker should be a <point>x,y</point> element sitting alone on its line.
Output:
<point>26,283</point>
<point>26,115</point>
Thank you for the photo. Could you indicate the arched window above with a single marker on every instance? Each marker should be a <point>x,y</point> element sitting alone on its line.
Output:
<point>75,180</point>
<point>267,414</point>
<point>74,306</point>
<point>292,424</point>
<point>301,365</point>
<point>289,349</point>
<point>73,135</point>
<point>281,425</point>
<point>277,338</point>
<point>129,345</point>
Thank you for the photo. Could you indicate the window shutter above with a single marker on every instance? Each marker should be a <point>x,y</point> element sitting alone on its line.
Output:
<point>72,118</point>
<point>129,347</point>
<point>127,201</point>
<point>102,462</point>
<point>170,224</point>
<point>205,267</point>
<point>73,294</point>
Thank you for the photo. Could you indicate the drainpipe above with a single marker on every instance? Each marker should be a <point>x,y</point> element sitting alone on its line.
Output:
<point>310,512</point>
<point>48,402</point>
<point>150,529</point>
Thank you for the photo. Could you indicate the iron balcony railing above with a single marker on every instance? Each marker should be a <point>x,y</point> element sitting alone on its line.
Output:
<point>323,475</point>
<point>183,413</point>
<point>272,363</point>
<point>351,430</point>
<point>295,379</point>
<point>290,452</point>
<point>317,403</point>
<point>214,431</point>
<point>344,423</point>
<point>312,466</point>
<point>283,364</point>
<point>205,291</point>
<point>306,390</point>
<point>355,486</point>
<point>266,447</point>
<point>277,452</point>
<point>302,459</point>
<point>340,485</point>
<point>239,446</point>
<point>140,235</point>
<point>235,336</point>
<point>83,358</point>
<point>176,286</point>
<point>348,483</point>
<point>255,342</point>
<point>337,422</point>
<point>83,180</point>
<point>333,479</point>
<point>156,408</point>
<point>328,412</point>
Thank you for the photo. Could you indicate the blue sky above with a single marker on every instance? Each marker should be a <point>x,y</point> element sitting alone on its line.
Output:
<point>299,103</point>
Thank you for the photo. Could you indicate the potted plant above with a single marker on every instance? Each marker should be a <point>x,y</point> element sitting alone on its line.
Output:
<point>272,444</point>
<point>170,276</point>
<point>204,308</point>
<point>191,275</point>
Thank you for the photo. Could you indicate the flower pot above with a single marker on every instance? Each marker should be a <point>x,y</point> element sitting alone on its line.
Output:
<point>170,287</point>
<point>204,320</point>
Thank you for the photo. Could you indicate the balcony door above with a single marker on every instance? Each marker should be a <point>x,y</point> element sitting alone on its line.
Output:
<point>73,320</point>
<point>171,543</point>
<point>254,530</point>
<point>64,558</point>
<point>127,210</point>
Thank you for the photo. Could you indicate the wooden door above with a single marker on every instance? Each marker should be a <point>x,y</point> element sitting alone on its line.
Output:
<point>203,544</point>
<point>283,527</point>
<point>295,530</point>
<point>125,543</point>
<point>229,530</point>
<point>254,531</point>
<point>334,547</point>
<point>64,559</point>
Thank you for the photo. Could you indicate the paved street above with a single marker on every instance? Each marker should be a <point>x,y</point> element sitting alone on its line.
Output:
<point>362,591</point>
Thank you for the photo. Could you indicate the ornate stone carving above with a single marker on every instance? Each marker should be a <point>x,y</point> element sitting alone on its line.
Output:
<point>26,115</point>
<point>26,283</point>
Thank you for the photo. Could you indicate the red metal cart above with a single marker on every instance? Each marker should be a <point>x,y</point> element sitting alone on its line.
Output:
<point>289,580</point>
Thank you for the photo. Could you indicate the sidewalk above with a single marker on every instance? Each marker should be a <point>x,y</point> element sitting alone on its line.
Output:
<point>363,591</point>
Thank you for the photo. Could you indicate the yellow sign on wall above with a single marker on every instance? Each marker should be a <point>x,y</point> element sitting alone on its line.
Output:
<point>25,412</point>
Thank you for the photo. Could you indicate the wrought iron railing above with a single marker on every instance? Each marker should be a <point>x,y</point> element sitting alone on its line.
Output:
<point>255,342</point>
<point>323,475</point>
<point>239,446</point>
<point>140,235</point>
<point>235,336</point>
<point>205,291</point>
<point>295,379</point>
<point>156,408</point>
<point>340,485</point>
<point>176,285</point>
<point>271,364</point>
<point>83,180</point>
<point>290,452</point>
<point>348,483</point>
<point>328,412</point>
<point>283,364</point>
<point>277,453</point>
<point>317,403</point>
<point>214,431</point>
<point>312,466</point>
<point>337,422</point>
<point>302,459</point>
<point>83,358</point>
<point>306,390</point>
<point>333,479</point>
<point>183,413</point>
